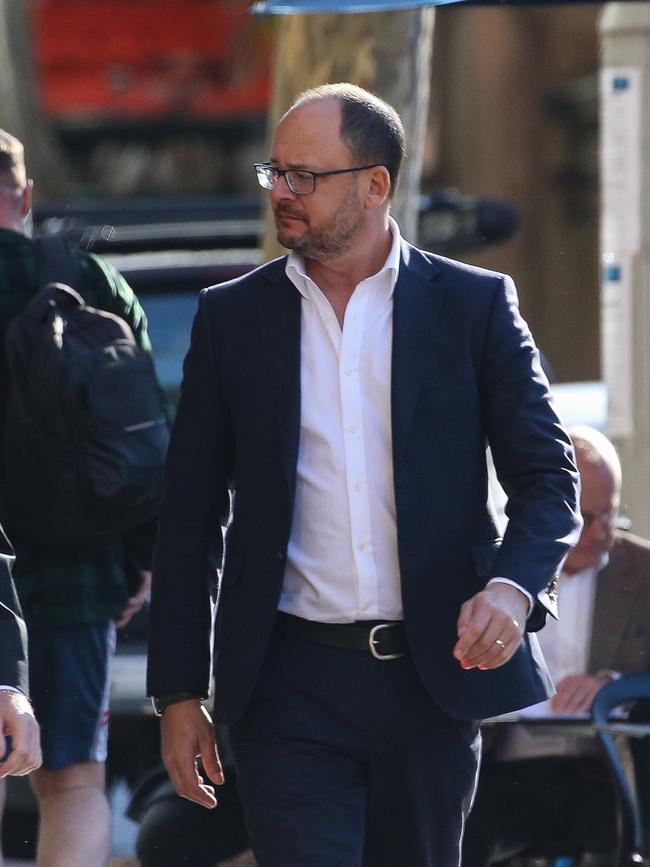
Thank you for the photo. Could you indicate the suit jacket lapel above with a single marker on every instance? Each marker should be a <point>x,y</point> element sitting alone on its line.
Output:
<point>278,309</point>
<point>613,605</point>
<point>416,309</point>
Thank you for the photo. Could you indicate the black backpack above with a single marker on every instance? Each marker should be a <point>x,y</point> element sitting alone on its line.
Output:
<point>86,429</point>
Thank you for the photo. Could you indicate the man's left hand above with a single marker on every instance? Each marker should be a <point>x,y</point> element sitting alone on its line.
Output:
<point>136,601</point>
<point>491,626</point>
<point>576,692</point>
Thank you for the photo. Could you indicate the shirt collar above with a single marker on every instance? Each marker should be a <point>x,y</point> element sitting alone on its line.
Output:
<point>591,571</point>
<point>295,266</point>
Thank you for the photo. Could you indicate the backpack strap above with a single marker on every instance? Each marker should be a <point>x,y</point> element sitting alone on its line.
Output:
<point>49,297</point>
<point>54,260</point>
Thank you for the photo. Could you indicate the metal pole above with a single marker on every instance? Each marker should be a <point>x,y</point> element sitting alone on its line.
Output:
<point>625,244</point>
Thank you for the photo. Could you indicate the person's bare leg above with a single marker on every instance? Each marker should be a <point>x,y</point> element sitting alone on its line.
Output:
<point>75,818</point>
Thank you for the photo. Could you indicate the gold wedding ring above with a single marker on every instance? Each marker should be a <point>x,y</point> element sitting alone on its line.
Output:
<point>500,643</point>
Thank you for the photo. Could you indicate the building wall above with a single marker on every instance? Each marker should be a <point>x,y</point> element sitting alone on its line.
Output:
<point>514,115</point>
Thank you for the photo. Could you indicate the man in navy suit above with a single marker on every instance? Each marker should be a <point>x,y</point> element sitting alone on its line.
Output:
<point>334,415</point>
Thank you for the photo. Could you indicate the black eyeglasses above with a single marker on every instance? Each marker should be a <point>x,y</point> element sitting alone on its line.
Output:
<point>300,181</point>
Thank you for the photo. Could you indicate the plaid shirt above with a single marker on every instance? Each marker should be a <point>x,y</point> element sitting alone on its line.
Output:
<point>91,585</point>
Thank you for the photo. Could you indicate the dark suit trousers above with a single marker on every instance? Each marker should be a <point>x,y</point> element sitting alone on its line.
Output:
<point>343,760</point>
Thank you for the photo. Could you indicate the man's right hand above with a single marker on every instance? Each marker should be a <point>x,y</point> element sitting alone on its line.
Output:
<point>188,734</point>
<point>136,601</point>
<point>17,721</point>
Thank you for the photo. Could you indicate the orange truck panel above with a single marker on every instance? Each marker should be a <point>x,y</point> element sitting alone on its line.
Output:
<point>151,59</point>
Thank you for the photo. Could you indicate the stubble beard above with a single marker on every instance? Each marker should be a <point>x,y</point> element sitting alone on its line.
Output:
<point>330,240</point>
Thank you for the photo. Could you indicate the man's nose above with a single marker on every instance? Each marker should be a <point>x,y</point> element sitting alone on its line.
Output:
<point>281,190</point>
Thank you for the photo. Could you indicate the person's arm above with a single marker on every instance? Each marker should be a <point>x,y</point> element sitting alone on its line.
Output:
<point>196,504</point>
<point>108,289</point>
<point>137,556</point>
<point>103,286</point>
<point>534,463</point>
<point>136,600</point>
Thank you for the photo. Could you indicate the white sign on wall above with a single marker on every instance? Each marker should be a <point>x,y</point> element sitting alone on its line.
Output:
<point>620,237</point>
<point>620,144</point>
<point>616,342</point>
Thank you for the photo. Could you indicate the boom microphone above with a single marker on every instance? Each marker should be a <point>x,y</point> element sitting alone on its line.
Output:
<point>450,221</point>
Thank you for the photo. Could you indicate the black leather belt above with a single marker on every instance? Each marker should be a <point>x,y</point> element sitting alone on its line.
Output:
<point>384,640</point>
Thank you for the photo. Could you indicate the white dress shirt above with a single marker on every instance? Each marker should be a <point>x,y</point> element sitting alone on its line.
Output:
<point>565,642</point>
<point>342,562</point>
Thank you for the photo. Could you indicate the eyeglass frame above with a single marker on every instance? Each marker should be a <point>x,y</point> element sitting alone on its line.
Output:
<point>282,173</point>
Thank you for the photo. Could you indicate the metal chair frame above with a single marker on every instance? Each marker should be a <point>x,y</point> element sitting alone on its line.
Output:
<point>632,843</point>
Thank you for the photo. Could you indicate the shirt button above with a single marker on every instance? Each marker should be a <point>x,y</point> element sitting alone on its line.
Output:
<point>349,371</point>
<point>356,486</point>
<point>365,606</point>
<point>361,546</point>
<point>352,429</point>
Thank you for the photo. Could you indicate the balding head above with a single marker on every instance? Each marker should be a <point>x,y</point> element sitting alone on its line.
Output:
<point>370,127</point>
<point>593,449</point>
<point>600,495</point>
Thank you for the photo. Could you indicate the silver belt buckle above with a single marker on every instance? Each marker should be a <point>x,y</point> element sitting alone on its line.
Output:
<point>372,641</point>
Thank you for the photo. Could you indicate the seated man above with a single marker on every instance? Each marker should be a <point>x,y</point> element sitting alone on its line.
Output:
<point>533,787</point>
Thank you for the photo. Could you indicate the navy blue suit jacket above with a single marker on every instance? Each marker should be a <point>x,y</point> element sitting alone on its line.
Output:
<point>464,372</point>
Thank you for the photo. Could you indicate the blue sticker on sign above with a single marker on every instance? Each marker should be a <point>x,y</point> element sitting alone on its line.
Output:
<point>621,83</point>
<point>613,273</point>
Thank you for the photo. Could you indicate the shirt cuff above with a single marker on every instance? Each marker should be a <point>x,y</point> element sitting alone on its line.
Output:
<point>531,601</point>
<point>609,673</point>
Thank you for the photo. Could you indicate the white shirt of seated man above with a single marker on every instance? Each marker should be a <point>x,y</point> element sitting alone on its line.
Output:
<point>565,642</point>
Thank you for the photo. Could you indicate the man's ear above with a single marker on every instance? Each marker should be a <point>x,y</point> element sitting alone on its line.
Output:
<point>379,187</point>
<point>26,203</point>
